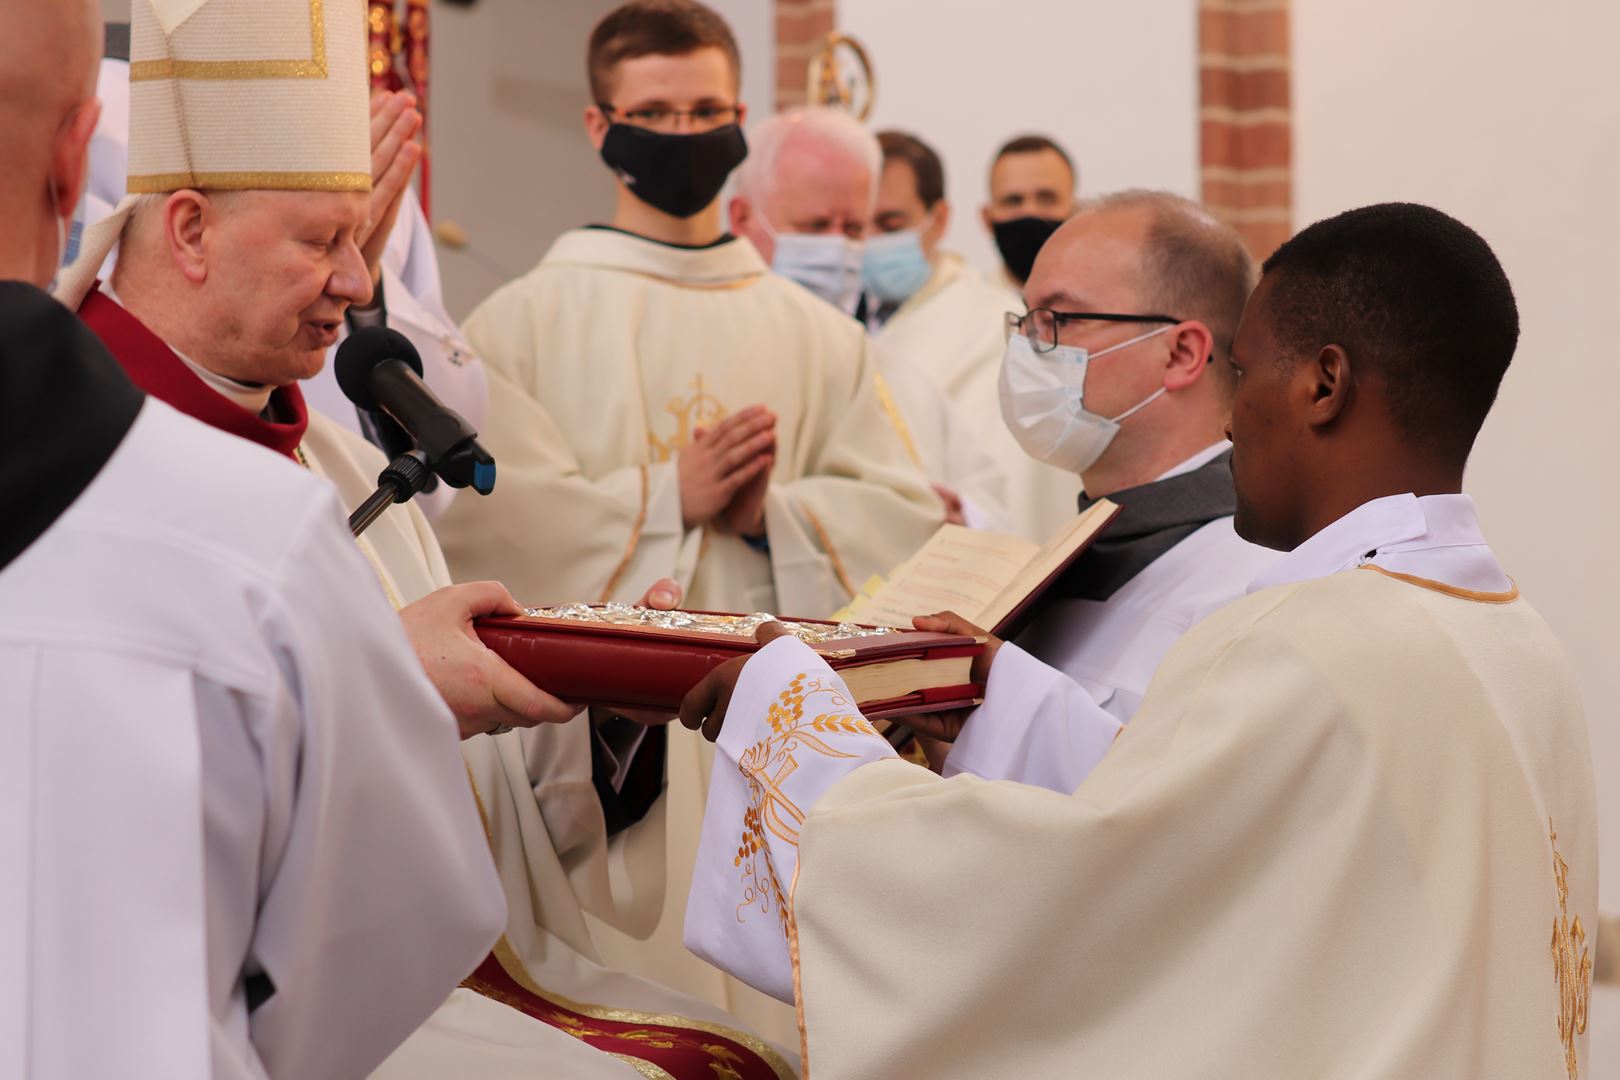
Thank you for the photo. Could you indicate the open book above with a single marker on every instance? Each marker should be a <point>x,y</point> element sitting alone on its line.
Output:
<point>990,579</point>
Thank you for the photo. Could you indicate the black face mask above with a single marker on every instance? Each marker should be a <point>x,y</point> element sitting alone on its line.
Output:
<point>1020,240</point>
<point>678,174</point>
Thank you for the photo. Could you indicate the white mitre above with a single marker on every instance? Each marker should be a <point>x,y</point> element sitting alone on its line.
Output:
<point>239,94</point>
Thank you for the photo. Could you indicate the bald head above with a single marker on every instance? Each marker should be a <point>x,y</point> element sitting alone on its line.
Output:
<point>49,51</point>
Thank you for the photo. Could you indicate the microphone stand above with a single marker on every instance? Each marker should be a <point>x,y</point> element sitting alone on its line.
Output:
<point>405,476</point>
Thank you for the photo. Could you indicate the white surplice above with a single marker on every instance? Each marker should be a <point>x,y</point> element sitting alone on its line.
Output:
<point>1353,811</point>
<point>953,329</point>
<point>602,360</point>
<point>1034,727</point>
<point>228,773</point>
<point>545,826</point>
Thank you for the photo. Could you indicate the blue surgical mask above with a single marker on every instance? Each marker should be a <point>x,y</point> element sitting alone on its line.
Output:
<point>895,266</point>
<point>828,264</point>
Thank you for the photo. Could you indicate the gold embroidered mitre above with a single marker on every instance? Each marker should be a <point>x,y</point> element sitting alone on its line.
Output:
<point>264,94</point>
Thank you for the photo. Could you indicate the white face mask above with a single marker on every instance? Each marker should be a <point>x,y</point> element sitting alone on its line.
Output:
<point>1042,402</point>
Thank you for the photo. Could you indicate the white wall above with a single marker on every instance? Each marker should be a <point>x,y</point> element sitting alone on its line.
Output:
<point>1508,116</point>
<point>1115,83</point>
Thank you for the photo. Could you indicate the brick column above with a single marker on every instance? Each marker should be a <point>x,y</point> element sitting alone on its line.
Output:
<point>800,27</point>
<point>1246,123</point>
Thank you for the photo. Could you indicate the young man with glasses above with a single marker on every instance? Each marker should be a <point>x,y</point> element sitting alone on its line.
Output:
<point>662,405</point>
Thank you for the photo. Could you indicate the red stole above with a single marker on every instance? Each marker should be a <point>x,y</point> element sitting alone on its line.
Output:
<point>157,369</point>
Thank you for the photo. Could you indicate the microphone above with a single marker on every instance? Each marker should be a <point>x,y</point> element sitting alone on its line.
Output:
<point>379,369</point>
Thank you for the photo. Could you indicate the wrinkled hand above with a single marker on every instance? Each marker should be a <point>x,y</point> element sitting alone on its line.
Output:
<point>395,120</point>
<point>946,726</point>
<point>482,690</point>
<point>953,505</point>
<point>705,704</point>
<point>721,460</point>
<point>665,595</point>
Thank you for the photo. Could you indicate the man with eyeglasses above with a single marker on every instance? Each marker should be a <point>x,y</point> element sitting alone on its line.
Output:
<point>663,406</point>
<point>1116,373</point>
<point>926,306</point>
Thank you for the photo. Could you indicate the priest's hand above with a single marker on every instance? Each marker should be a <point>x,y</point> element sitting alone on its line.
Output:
<point>944,727</point>
<point>482,690</point>
<point>705,704</point>
<point>745,515</point>
<point>721,460</point>
<point>953,505</point>
<point>395,120</point>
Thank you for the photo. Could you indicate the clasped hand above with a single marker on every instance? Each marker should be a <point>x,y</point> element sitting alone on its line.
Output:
<point>725,471</point>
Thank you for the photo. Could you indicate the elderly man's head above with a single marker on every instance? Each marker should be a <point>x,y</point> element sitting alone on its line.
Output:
<point>48,110</point>
<point>251,284</point>
<point>1159,284</point>
<point>804,196</point>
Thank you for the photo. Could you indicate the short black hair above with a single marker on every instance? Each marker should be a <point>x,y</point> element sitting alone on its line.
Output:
<point>1416,296</point>
<point>1034,144</point>
<point>924,162</point>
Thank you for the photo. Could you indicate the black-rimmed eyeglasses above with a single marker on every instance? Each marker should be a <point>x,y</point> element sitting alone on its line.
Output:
<point>1042,325</point>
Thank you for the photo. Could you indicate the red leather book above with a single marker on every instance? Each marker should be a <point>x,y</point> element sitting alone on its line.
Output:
<point>617,656</point>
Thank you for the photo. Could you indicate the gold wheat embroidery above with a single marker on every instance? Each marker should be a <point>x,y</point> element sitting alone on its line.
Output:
<point>767,765</point>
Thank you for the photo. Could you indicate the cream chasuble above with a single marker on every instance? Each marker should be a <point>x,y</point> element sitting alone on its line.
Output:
<point>601,361</point>
<point>1350,833</point>
<point>544,822</point>
<point>952,329</point>
<point>942,442</point>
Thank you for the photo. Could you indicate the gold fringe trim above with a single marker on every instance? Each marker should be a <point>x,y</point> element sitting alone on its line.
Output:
<point>886,400</point>
<point>159,183</point>
<point>832,552</point>
<point>635,539</point>
<point>1449,590</point>
<point>313,68</point>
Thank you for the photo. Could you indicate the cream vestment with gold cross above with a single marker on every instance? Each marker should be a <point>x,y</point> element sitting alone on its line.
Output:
<point>601,362</point>
<point>1351,832</point>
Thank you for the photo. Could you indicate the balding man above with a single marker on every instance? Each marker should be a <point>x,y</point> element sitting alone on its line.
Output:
<point>1132,309</point>
<point>804,198</point>
<point>217,732</point>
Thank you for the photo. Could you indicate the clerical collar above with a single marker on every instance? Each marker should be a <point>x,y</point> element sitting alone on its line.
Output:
<point>1436,537</point>
<point>253,397</point>
<point>64,409</point>
<point>725,238</point>
<point>156,368</point>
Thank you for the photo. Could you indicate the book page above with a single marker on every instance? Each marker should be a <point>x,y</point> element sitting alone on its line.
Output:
<point>960,570</point>
<point>1045,563</point>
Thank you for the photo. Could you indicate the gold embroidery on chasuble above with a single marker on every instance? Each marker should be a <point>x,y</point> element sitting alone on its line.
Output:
<point>702,409</point>
<point>767,765</point>
<point>1572,963</point>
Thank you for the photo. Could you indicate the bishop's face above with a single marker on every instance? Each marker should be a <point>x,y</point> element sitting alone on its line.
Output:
<point>1271,473</point>
<point>283,268</point>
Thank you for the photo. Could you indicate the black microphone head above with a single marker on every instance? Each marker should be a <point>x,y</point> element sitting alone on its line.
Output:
<point>360,354</point>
